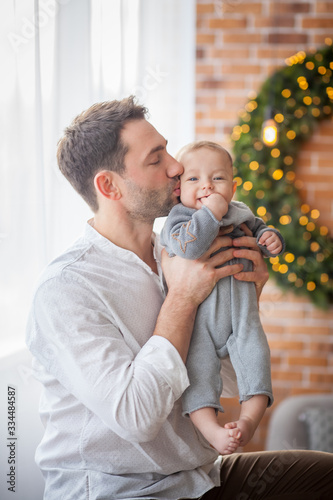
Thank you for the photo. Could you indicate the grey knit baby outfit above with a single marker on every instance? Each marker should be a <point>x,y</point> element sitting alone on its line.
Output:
<point>227,322</point>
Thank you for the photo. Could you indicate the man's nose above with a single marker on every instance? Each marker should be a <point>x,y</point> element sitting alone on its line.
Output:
<point>174,168</point>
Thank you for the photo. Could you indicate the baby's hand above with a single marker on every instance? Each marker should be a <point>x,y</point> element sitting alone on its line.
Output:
<point>271,241</point>
<point>217,204</point>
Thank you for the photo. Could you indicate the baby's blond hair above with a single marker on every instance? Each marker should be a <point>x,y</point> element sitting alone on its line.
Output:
<point>193,146</point>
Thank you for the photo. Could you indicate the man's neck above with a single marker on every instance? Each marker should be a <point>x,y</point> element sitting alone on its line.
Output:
<point>130,235</point>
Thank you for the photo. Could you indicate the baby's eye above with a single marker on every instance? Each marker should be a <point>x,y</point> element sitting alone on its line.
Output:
<point>193,179</point>
<point>218,178</point>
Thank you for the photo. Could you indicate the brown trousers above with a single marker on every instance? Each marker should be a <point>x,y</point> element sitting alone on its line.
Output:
<point>275,475</point>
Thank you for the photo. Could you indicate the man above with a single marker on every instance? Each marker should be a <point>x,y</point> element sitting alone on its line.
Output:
<point>110,347</point>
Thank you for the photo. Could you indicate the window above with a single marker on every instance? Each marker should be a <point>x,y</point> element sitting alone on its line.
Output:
<point>60,57</point>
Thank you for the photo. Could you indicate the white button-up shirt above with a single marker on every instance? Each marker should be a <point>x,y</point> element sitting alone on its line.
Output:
<point>110,406</point>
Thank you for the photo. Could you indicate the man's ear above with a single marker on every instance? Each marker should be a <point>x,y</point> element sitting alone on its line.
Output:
<point>106,184</point>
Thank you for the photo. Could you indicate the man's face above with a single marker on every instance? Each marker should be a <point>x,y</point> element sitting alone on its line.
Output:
<point>151,182</point>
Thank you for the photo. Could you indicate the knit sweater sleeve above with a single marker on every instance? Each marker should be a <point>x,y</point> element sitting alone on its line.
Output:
<point>258,227</point>
<point>189,233</point>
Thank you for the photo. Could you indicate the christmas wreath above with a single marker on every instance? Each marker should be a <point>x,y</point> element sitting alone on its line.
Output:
<point>294,99</point>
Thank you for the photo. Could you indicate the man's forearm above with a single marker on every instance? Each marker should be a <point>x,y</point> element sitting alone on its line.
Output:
<point>175,322</point>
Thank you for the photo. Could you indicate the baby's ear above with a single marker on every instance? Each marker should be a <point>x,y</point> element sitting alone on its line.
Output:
<point>234,187</point>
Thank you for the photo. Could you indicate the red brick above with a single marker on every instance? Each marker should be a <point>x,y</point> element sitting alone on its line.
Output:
<point>222,114</point>
<point>205,8</point>
<point>241,7</point>
<point>289,8</point>
<point>274,53</point>
<point>241,69</point>
<point>315,22</point>
<point>205,130</point>
<point>324,7</point>
<point>242,38</point>
<point>286,345</point>
<point>221,84</point>
<point>287,376</point>
<point>309,330</point>
<point>204,38</point>
<point>241,53</point>
<point>307,360</point>
<point>287,38</point>
<point>206,69</point>
<point>275,22</point>
<point>227,23</point>
<point>308,390</point>
<point>319,39</point>
<point>321,347</point>
<point>321,378</point>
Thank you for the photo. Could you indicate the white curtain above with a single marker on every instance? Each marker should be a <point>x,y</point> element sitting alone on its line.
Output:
<point>59,57</point>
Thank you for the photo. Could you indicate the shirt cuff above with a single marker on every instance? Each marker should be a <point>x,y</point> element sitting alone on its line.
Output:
<point>166,360</point>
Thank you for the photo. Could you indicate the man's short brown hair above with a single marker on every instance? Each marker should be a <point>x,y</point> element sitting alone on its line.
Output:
<point>92,143</point>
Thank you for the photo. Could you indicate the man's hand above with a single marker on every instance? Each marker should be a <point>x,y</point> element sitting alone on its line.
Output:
<point>193,280</point>
<point>259,275</point>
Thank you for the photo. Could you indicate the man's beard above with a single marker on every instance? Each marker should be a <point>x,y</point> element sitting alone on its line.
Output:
<point>148,204</point>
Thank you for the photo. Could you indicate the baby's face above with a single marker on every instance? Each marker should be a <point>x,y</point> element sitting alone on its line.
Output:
<point>206,171</point>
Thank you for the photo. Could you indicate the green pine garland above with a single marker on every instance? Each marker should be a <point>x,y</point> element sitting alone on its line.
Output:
<point>301,94</point>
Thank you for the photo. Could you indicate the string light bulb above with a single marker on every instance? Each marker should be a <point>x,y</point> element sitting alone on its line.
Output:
<point>269,132</point>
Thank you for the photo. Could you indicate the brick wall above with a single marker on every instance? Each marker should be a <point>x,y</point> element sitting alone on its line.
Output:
<point>239,43</point>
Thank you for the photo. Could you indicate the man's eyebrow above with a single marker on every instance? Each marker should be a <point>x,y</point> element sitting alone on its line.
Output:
<point>160,147</point>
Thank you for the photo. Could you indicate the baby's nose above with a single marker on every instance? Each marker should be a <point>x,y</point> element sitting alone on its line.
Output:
<point>207,185</point>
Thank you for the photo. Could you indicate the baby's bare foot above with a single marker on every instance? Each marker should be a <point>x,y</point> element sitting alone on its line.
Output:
<point>226,441</point>
<point>245,427</point>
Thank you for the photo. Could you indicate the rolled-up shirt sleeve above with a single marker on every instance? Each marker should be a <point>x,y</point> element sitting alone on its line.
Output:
<point>131,388</point>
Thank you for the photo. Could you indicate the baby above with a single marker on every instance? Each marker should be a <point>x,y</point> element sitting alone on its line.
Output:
<point>227,322</point>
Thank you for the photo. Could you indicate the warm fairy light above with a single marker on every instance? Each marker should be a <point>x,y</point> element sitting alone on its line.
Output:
<point>279,117</point>
<point>248,185</point>
<point>260,194</point>
<point>290,176</point>
<point>261,211</point>
<point>315,246</point>
<point>269,132</point>
<point>315,213</point>
<point>310,65</point>
<point>291,134</point>
<point>288,160</point>
<point>289,257</point>
<point>303,220</point>
<point>283,268</point>
<point>311,285</point>
<point>254,165</point>
<point>285,219</point>
<point>324,278</point>
<point>277,174</point>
